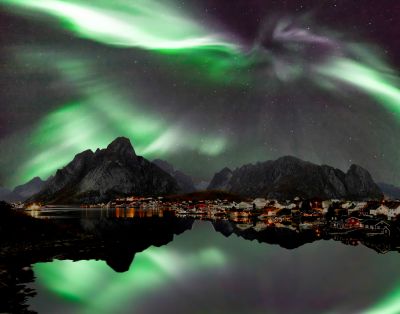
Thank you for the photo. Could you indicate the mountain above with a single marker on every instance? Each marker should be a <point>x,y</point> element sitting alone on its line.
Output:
<point>288,177</point>
<point>5,195</point>
<point>390,191</point>
<point>10,196</point>
<point>201,185</point>
<point>4,191</point>
<point>30,188</point>
<point>221,180</point>
<point>22,192</point>
<point>99,176</point>
<point>184,181</point>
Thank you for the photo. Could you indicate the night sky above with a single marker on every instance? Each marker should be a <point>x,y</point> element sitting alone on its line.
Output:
<point>203,84</point>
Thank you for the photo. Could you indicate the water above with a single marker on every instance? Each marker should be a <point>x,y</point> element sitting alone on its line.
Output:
<point>94,213</point>
<point>204,271</point>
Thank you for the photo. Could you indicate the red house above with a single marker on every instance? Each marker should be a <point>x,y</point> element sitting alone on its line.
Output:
<point>353,222</point>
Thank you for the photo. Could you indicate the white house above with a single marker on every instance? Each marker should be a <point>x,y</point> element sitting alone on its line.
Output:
<point>360,206</point>
<point>229,205</point>
<point>245,205</point>
<point>381,210</point>
<point>291,206</point>
<point>260,202</point>
<point>393,212</point>
<point>347,205</point>
<point>325,206</point>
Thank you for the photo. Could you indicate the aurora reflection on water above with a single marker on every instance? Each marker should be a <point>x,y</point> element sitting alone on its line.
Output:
<point>225,275</point>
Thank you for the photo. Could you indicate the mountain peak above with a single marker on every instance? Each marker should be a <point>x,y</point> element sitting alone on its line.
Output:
<point>121,145</point>
<point>108,173</point>
<point>226,170</point>
<point>289,159</point>
<point>288,177</point>
<point>184,181</point>
<point>30,188</point>
<point>221,180</point>
<point>356,168</point>
<point>36,180</point>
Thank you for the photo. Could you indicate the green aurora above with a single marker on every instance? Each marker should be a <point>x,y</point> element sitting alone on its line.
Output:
<point>189,258</point>
<point>99,115</point>
<point>101,112</point>
<point>152,269</point>
<point>147,24</point>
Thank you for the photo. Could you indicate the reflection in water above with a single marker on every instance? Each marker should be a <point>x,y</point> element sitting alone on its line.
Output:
<point>104,291</point>
<point>388,305</point>
<point>124,262</point>
<point>204,272</point>
<point>97,213</point>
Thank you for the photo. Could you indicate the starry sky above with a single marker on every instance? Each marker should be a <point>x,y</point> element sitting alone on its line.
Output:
<point>203,84</point>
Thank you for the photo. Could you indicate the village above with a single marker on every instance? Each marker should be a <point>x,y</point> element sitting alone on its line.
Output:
<point>372,218</point>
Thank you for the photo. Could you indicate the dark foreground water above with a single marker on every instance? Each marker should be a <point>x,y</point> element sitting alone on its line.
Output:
<point>204,271</point>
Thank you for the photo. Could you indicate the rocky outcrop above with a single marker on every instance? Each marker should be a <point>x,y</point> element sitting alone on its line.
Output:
<point>184,181</point>
<point>288,177</point>
<point>99,176</point>
<point>221,180</point>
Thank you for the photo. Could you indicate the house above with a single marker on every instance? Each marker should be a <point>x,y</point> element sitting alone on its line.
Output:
<point>245,205</point>
<point>229,205</point>
<point>381,210</point>
<point>316,204</point>
<point>368,224</point>
<point>394,211</point>
<point>359,206</point>
<point>376,226</point>
<point>338,224</point>
<point>272,211</point>
<point>260,203</point>
<point>279,205</point>
<point>352,222</point>
<point>383,227</point>
<point>347,205</point>
<point>291,206</point>
<point>325,206</point>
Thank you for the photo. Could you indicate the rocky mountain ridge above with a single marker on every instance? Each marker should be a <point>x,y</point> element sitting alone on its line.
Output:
<point>100,176</point>
<point>184,181</point>
<point>23,191</point>
<point>288,177</point>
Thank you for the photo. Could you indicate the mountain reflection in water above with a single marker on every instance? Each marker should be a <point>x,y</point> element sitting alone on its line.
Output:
<point>133,267</point>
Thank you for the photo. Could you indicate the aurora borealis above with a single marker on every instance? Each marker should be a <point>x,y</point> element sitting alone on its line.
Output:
<point>222,275</point>
<point>188,84</point>
<point>207,84</point>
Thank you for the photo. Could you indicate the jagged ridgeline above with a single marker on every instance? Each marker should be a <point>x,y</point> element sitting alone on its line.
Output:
<point>289,177</point>
<point>93,177</point>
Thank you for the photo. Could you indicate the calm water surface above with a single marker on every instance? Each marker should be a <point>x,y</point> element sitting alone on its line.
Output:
<point>202,271</point>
